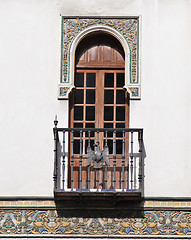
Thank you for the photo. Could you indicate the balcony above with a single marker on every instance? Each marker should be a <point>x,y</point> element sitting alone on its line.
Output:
<point>98,166</point>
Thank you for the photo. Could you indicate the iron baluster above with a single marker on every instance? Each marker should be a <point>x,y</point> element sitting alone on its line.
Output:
<point>81,149</point>
<point>131,162</point>
<point>55,154</point>
<point>89,134</point>
<point>106,164</point>
<point>72,160</point>
<point>136,156</point>
<point>55,160</point>
<point>97,179</point>
<point>123,161</point>
<point>63,161</point>
<point>135,173</point>
<point>141,173</point>
<point>114,161</point>
<point>97,136</point>
<point>97,170</point>
<point>106,138</point>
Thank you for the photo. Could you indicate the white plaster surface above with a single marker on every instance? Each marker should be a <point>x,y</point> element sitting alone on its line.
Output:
<point>29,75</point>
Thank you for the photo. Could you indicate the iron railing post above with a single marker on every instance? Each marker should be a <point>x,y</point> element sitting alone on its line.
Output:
<point>55,154</point>
<point>131,162</point>
<point>141,172</point>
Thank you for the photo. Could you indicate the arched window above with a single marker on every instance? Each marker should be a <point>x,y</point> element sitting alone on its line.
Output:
<point>99,100</point>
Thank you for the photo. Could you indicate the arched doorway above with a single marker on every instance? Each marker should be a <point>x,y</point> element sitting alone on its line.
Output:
<point>99,101</point>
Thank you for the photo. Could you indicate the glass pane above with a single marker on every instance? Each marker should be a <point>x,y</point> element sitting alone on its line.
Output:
<point>90,80</point>
<point>108,96</point>
<point>90,125</point>
<point>120,113</point>
<point>120,125</point>
<point>108,113</point>
<point>120,97</point>
<point>120,79</point>
<point>108,125</point>
<point>91,145</point>
<point>78,96</point>
<point>90,96</point>
<point>90,113</point>
<point>77,125</point>
<point>119,147</point>
<point>76,147</point>
<point>79,80</point>
<point>109,79</point>
<point>78,113</point>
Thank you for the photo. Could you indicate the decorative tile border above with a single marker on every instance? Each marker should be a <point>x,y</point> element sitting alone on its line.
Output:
<point>41,222</point>
<point>127,27</point>
<point>148,204</point>
<point>27,204</point>
<point>167,219</point>
<point>168,204</point>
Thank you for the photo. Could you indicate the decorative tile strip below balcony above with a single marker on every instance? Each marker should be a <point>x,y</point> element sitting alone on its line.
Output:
<point>41,222</point>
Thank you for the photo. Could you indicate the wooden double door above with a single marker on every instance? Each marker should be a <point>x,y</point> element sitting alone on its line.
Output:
<point>99,101</point>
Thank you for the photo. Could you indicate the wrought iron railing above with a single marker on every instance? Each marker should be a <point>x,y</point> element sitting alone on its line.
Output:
<point>98,160</point>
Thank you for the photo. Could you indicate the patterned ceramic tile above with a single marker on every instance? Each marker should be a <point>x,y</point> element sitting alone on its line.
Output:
<point>63,91</point>
<point>128,27</point>
<point>41,217</point>
<point>135,91</point>
<point>51,222</point>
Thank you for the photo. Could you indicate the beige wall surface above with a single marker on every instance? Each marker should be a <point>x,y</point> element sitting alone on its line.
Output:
<point>30,36</point>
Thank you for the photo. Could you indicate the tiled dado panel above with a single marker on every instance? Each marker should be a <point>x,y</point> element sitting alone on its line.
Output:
<point>40,218</point>
<point>49,222</point>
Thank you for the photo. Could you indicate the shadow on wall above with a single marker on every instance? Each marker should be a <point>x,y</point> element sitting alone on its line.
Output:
<point>133,209</point>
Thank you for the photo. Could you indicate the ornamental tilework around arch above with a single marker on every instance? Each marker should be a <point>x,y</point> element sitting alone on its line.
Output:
<point>41,222</point>
<point>127,28</point>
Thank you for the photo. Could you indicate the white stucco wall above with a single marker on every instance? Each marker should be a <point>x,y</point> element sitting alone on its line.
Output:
<point>29,74</point>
